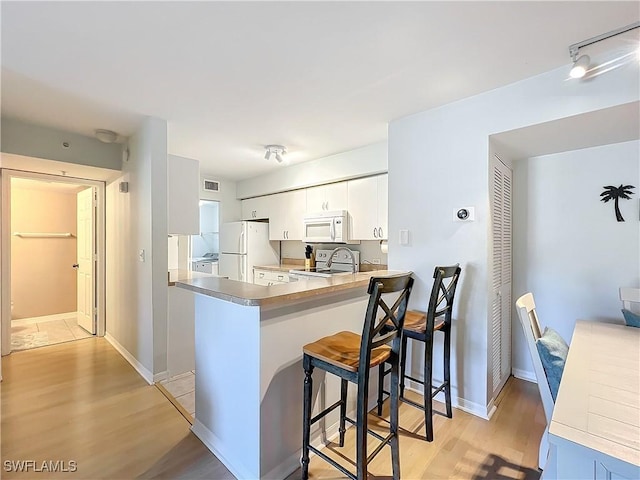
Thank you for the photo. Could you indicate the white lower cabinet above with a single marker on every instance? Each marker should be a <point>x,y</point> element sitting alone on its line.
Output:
<point>269,277</point>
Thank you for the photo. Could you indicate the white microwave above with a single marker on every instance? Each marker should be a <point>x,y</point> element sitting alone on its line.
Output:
<point>326,227</point>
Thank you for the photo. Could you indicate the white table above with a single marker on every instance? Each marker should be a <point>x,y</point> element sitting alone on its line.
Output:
<point>595,428</point>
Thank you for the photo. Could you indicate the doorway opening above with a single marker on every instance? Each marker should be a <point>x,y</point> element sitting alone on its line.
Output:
<point>52,273</point>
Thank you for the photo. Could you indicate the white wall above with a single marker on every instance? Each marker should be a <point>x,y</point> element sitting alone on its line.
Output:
<point>569,250</point>
<point>137,291</point>
<point>42,142</point>
<point>229,205</point>
<point>438,160</point>
<point>368,160</point>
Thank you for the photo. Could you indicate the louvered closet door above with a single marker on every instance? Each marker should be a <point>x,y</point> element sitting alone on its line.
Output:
<point>501,189</point>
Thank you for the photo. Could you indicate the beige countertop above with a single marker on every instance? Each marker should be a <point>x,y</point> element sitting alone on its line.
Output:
<point>250,294</point>
<point>179,275</point>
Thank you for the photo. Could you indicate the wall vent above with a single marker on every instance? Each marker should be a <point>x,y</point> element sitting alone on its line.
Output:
<point>211,185</point>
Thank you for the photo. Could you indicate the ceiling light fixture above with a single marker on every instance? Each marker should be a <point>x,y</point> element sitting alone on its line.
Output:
<point>106,136</point>
<point>581,64</point>
<point>276,150</point>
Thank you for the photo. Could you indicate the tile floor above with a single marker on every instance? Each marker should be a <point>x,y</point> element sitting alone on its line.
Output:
<point>28,333</point>
<point>182,387</point>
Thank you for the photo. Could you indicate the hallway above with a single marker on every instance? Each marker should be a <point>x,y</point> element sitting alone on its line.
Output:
<point>82,402</point>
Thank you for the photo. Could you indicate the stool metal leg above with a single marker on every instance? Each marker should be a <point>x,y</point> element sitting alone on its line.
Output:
<point>447,371</point>
<point>380,387</point>
<point>306,420</point>
<point>428,379</point>
<point>403,363</point>
<point>395,448</point>
<point>343,409</point>
<point>361,428</point>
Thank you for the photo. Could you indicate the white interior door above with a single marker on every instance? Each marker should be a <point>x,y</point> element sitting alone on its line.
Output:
<point>85,259</point>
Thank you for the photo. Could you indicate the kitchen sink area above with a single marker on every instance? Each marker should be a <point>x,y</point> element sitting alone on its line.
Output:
<point>344,262</point>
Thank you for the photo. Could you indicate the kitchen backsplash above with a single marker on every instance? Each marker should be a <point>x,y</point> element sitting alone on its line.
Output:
<point>369,250</point>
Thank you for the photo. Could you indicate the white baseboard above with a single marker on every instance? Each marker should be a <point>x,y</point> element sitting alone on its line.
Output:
<point>212,442</point>
<point>19,322</point>
<point>141,369</point>
<point>524,375</point>
<point>476,409</point>
<point>158,377</point>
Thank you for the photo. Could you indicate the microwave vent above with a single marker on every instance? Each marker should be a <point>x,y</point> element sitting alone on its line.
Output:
<point>211,185</point>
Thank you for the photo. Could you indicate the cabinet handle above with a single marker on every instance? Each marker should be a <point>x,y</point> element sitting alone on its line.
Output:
<point>375,233</point>
<point>280,277</point>
<point>261,275</point>
<point>379,232</point>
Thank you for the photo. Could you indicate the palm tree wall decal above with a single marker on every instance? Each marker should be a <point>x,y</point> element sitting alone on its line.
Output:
<point>615,193</point>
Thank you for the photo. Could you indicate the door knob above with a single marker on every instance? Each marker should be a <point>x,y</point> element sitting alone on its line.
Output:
<point>75,265</point>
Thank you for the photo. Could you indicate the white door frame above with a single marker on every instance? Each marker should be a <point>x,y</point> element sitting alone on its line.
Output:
<point>5,250</point>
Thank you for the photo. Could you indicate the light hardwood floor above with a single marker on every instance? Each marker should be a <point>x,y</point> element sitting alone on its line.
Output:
<point>464,447</point>
<point>82,401</point>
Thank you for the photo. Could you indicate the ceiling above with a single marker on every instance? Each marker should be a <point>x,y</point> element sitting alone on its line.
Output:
<point>318,77</point>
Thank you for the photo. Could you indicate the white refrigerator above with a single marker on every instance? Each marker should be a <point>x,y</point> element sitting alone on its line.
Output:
<point>244,245</point>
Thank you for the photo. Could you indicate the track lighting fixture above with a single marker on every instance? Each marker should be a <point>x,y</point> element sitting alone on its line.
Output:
<point>581,64</point>
<point>276,150</point>
<point>580,67</point>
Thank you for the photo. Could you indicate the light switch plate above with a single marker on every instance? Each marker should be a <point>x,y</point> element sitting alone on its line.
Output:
<point>464,214</point>
<point>404,237</point>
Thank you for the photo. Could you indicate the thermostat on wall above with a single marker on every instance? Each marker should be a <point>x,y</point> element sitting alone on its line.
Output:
<point>463,214</point>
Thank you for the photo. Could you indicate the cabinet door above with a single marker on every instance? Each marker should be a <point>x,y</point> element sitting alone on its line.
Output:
<point>183,182</point>
<point>316,199</point>
<point>383,207</point>
<point>336,196</point>
<point>287,211</point>
<point>256,208</point>
<point>362,196</point>
<point>327,197</point>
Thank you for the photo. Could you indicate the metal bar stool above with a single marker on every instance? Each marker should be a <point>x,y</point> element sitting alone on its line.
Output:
<point>350,356</point>
<point>421,326</point>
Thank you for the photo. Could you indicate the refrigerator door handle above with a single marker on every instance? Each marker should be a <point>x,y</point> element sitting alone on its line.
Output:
<point>241,248</point>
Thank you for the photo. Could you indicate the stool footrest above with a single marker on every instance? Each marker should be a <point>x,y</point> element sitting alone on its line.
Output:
<point>384,441</point>
<point>369,431</point>
<point>324,412</point>
<point>326,458</point>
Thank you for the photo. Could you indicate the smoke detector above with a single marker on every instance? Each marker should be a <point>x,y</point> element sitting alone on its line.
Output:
<point>106,136</point>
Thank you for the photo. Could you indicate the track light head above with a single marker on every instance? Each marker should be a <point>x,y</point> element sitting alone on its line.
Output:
<point>580,67</point>
<point>277,150</point>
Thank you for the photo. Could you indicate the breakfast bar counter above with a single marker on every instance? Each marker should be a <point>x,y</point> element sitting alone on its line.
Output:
<point>248,348</point>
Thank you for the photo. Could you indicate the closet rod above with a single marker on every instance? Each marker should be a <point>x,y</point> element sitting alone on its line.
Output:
<point>42,235</point>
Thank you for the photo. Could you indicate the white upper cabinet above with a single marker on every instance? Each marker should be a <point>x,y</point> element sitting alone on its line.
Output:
<point>327,197</point>
<point>256,208</point>
<point>183,196</point>
<point>287,211</point>
<point>368,207</point>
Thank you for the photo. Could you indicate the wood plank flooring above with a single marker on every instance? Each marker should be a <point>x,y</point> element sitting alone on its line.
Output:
<point>464,447</point>
<point>82,401</point>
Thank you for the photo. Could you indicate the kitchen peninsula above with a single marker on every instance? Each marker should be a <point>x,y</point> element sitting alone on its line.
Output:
<point>248,344</point>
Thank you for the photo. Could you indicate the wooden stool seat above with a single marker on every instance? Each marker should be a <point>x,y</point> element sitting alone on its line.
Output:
<point>343,350</point>
<point>416,321</point>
